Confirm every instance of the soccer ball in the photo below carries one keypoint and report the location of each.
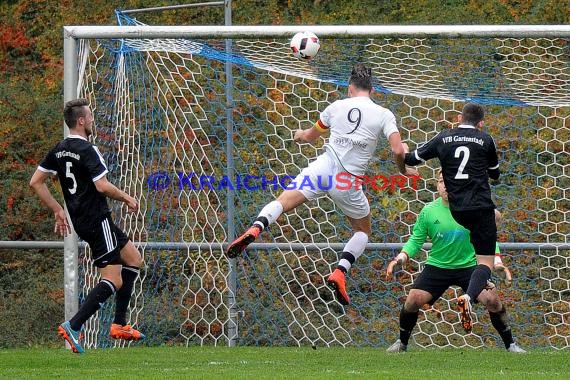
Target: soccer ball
(305, 45)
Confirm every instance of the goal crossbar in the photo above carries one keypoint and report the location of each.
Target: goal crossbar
(336, 31)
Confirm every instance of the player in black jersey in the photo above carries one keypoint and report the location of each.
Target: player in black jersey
(81, 171)
(468, 159)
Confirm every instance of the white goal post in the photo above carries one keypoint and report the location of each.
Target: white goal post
(224, 101)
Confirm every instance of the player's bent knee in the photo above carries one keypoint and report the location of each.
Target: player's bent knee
(415, 300)
(490, 299)
(136, 263)
(495, 305)
(131, 256)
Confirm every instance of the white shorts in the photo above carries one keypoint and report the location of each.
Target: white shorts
(321, 177)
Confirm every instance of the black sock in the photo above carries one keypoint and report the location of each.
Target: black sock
(123, 296)
(347, 256)
(407, 323)
(263, 220)
(500, 323)
(95, 299)
(478, 281)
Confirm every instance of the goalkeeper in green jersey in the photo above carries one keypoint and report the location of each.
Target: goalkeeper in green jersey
(451, 261)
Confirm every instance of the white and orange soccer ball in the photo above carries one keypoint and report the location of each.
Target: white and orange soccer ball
(305, 45)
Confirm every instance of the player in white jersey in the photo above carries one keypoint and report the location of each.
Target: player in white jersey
(355, 125)
(358, 123)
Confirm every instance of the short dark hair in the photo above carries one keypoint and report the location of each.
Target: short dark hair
(472, 114)
(361, 77)
(73, 110)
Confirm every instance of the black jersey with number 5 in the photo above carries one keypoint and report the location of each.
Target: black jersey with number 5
(468, 157)
(78, 164)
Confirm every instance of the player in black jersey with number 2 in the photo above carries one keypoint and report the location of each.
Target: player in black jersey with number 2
(81, 171)
(468, 158)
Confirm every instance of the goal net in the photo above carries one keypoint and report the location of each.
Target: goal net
(198, 126)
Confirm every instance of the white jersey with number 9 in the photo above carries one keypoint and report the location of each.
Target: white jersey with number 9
(355, 125)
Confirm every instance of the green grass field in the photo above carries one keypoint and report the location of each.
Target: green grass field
(281, 363)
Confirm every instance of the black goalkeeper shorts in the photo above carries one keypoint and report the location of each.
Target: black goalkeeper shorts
(436, 280)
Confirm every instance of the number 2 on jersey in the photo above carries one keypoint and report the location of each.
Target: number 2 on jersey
(462, 151)
(69, 174)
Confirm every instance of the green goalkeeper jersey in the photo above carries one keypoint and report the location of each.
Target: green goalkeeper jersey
(451, 246)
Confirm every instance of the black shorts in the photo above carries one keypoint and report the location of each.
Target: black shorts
(436, 280)
(482, 229)
(105, 240)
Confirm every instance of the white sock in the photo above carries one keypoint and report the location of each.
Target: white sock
(354, 246)
(345, 264)
(271, 212)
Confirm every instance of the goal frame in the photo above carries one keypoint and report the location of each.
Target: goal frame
(71, 89)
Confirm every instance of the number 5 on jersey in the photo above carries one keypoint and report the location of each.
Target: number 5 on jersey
(69, 174)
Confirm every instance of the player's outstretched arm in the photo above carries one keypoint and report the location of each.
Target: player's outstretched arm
(425, 152)
(410, 170)
(113, 192)
(412, 246)
(307, 135)
(399, 150)
(38, 184)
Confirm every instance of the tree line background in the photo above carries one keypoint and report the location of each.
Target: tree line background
(31, 96)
